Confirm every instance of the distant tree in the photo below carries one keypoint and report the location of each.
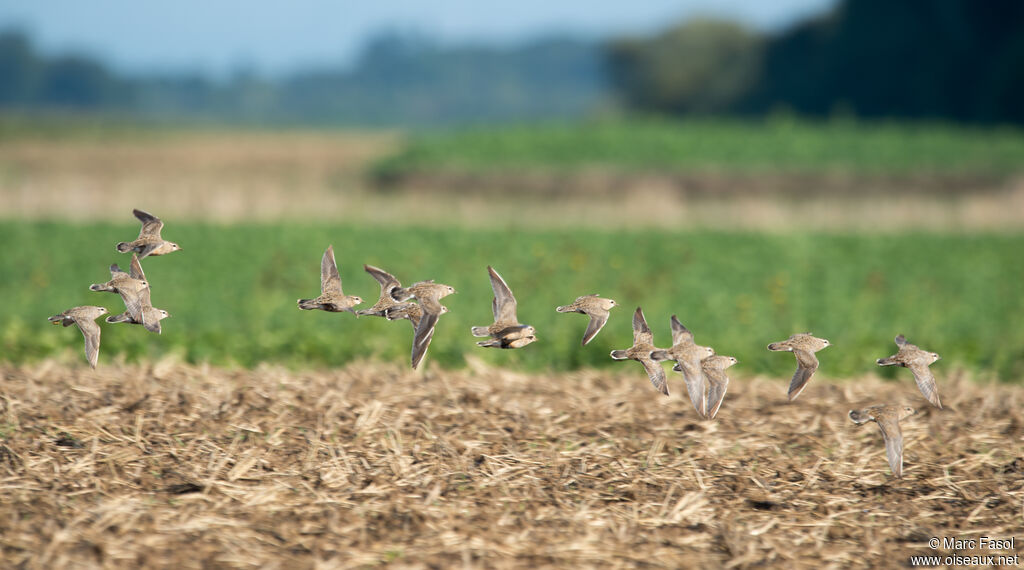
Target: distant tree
(701, 66)
(953, 59)
(19, 69)
(925, 59)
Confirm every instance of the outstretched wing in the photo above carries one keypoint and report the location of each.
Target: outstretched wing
(135, 269)
(893, 436)
(423, 335)
(387, 281)
(91, 332)
(926, 383)
(641, 332)
(330, 281)
(806, 363)
(597, 322)
(718, 383)
(656, 373)
(151, 225)
(695, 384)
(680, 334)
(504, 305)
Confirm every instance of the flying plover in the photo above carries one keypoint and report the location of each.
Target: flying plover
(888, 418)
(803, 346)
(429, 295)
(917, 360)
(718, 382)
(144, 313)
(149, 241)
(388, 283)
(688, 356)
(85, 318)
(331, 298)
(595, 307)
(643, 345)
(506, 329)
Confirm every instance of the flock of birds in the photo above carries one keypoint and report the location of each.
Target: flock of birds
(703, 370)
(132, 286)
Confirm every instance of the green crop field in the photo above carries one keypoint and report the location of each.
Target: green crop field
(753, 146)
(232, 290)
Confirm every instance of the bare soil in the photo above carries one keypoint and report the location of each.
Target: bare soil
(167, 465)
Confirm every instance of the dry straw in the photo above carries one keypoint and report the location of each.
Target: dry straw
(171, 465)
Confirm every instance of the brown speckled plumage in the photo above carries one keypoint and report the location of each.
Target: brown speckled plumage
(506, 331)
(888, 418)
(918, 361)
(803, 346)
(149, 241)
(85, 318)
(332, 298)
(688, 356)
(597, 308)
(643, 345)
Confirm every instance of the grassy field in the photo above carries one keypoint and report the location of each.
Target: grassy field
(232, 290)
(778, 145)
(172, 466)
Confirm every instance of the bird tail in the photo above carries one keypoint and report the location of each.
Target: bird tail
(122, 318)
(565, 309)
(124, 247)
(309, 304)
(480, 331)
(100, 287)
(660, 355)
(489, 343)
(775, 346)
(887, 361)
(56, 319)
(859, 417)
(619, 355)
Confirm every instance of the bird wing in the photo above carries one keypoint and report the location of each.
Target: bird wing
(148, 249)
(504, 305)
(135, 269)
(151, 225)
(926, 383)
(656, 373)
(387, 281)
(91, 332)
(423, 335)
(807, 363)
(597, 322)
(695, 384)
(151, 319)
(718, 383)
(330, 281)
(893, 436)
(680, 333)
(641, 332)
(132, 298)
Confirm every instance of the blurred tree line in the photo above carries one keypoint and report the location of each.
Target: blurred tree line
(399, 79)
(923, 59)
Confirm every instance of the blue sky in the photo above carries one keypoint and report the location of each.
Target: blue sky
(216, 36)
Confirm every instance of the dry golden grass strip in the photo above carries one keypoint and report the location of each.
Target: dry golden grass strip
(170, 465)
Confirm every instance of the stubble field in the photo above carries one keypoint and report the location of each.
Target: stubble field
(179, 466)
(250, 435)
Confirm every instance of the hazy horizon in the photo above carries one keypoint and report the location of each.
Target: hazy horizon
(274, 40)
